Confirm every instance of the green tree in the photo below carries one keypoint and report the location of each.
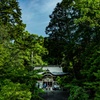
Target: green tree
(20, 52)
(26, 53)
(79, 28)
(10, 13)
(10, 16)
(87, 48)
(17, 61)
(61, 32)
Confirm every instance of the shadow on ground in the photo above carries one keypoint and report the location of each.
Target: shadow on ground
(54, 95)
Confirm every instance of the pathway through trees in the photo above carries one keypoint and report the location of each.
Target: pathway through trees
(55, 95)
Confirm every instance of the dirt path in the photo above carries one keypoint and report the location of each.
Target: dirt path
(54, 95)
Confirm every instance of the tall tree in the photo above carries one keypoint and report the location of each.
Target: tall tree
(20, 51)
(61, 31)
(86, 50)
(10, 15)
(81, 38)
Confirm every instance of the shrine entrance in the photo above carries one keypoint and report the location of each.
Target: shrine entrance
(48, 81)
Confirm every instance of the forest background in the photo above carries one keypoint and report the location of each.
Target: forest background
(73, 42)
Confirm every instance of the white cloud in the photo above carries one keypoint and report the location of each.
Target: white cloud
(35, 14)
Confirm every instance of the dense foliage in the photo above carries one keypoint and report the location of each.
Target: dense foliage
(20, 52)
(74, 41)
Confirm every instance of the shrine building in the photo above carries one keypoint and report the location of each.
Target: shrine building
(49, 75)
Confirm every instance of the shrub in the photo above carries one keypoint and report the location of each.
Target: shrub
(78, 93)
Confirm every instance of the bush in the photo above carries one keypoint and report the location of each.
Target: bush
(78, 93)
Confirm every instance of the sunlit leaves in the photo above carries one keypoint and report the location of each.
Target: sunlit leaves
(90, 11)
(13, 91)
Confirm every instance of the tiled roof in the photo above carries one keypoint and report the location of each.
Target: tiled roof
(58, 73)
(54, 70)
(50, 68)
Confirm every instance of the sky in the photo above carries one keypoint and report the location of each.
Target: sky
(35, 14)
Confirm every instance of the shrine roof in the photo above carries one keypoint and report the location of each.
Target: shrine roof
(58, 73)
(55, 70)
(51, 68)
